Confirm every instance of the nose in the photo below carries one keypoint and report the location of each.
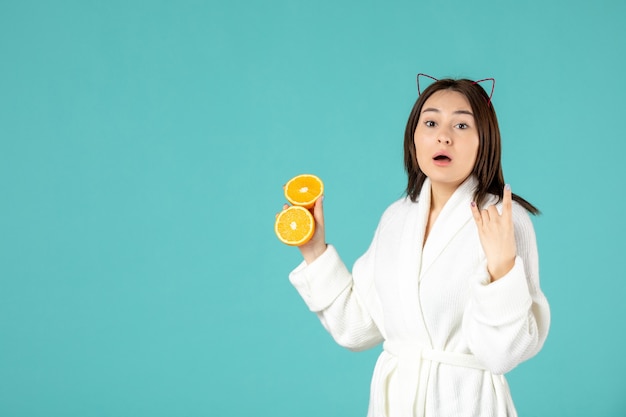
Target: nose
(444, 135)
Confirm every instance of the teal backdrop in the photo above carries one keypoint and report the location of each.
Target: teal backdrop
(143, 146)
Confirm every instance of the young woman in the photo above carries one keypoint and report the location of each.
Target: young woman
(450, 282)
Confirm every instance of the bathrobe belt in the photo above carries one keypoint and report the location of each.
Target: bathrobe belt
(413, 371)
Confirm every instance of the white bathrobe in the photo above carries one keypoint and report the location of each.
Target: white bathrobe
(449, 334)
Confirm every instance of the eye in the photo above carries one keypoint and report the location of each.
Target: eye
(462, 126)
(429, 123)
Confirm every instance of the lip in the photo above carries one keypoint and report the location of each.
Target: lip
(442, 162)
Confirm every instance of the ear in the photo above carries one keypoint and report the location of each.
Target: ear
(493, 85)
(419, 90)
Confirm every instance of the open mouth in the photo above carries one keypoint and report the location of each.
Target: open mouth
(442, 158)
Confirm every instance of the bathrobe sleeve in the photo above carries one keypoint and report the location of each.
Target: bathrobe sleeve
(347, 305)
(506, 322)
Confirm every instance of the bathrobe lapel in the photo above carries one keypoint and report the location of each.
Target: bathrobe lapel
(413, 260)
(409, 258)
(453, 217)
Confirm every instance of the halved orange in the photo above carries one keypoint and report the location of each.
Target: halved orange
(303, 190)
(294, 226)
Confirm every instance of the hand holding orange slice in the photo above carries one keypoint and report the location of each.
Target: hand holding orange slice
(295, 225)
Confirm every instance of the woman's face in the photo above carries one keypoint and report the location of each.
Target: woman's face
(446, 139)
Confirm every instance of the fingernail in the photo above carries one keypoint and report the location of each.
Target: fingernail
(507, 187)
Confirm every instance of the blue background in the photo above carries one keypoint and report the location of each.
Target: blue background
(143, 146)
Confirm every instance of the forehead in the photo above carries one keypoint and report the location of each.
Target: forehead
(447, 100)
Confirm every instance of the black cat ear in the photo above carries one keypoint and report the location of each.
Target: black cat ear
(419, 90)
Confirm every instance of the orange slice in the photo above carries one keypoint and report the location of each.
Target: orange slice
(303, 190)
(294, 226)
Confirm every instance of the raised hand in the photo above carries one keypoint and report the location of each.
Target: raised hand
(497, 236)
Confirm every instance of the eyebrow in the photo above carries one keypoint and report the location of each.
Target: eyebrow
(454, 112)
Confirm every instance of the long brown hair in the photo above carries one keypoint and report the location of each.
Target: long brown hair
(488, 167)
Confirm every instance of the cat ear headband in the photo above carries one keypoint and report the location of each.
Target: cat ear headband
(493, 84)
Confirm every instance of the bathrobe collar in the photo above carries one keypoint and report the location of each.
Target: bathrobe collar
(415, 260)
(456, 213)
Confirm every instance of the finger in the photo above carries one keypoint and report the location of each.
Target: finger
(476, 213)
(493, 212)
(318, 211)
(507, 201)
(285, 207)
(485, 215)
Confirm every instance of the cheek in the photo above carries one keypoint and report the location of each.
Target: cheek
(418, 138)
(418, 144)
(472, 153)
(476, 146)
